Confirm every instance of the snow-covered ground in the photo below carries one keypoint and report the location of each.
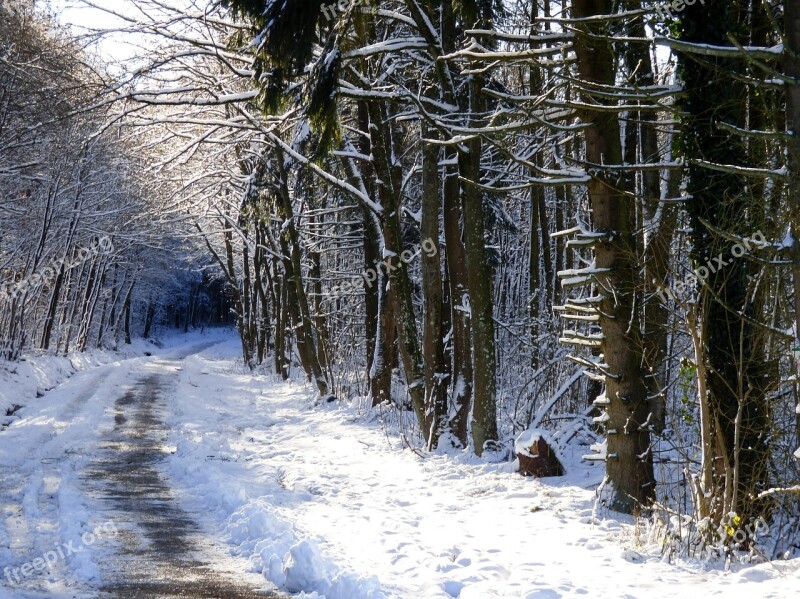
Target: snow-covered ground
(328, 500)
(24, 381)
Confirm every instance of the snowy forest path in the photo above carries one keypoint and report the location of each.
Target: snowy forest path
(185, 474)
(161, 550)
(85, 465)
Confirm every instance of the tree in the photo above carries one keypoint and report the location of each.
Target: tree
(629, 466)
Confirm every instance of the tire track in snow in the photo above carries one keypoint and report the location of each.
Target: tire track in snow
(161, 551)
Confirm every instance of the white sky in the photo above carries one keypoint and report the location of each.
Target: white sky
(84, 19)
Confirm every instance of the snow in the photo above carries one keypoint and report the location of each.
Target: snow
(330, 499)
(328, 502)
(291, 563)
(387, 46)
(787, 242)
(578, 276)
(301, 135)
(21, 382)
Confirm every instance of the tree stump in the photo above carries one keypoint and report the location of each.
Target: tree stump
(536, 456)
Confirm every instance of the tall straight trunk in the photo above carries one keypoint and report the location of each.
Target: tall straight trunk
(456, 259)
(370, 313)
(11, 344)
(127, 309)
(105, 312)
(281, 326)
(236, 294)
(246, 295)
(629, 465)
(540, 290)
(657, 253)
(94, 288)
(384, 348)
(190, 311)
(379, 323)
(294, 322)
(536, 195)
(65, 305)
(119, 289)
(126, 300)
(73, 307)
(320, 322)
(149, 316)
(560, 249)
(387, 187)
(273, 284)
(791, 18)
(534, 276)
(439, 43)
(479, 276)
(304, 330)
(461, 389)
(261, 269)
(276, 282)
(433, 293)
(52, 308)
(641, 147)
(550, 279)
(70, 236)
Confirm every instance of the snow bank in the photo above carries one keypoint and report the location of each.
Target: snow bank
(291, 563)
(221, 431)
(24, 381)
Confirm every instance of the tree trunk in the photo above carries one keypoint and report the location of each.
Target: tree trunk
(461, 389)
(641, 147)
(149, 316)
(399, 283)
(629, 466)
(791, 17)
(52, 308)
(479, 276)
(304, 329)
(433, 293)
(127, 308)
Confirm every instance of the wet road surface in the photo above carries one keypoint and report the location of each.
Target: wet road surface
(158, 549)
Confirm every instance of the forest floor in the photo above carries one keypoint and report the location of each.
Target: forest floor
(181, 474)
